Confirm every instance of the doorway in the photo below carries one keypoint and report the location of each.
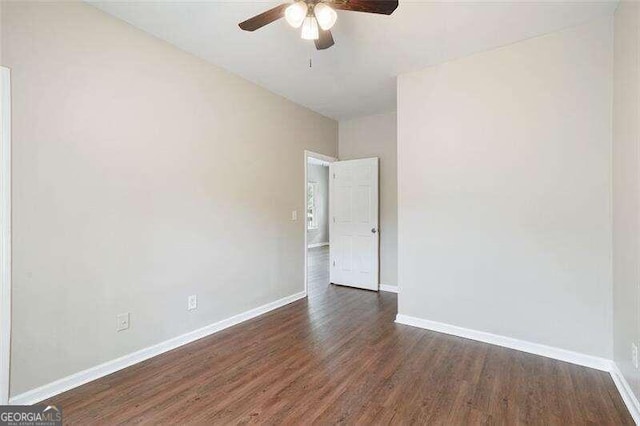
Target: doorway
(316, 217)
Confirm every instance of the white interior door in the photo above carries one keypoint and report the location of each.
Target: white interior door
(353, 226)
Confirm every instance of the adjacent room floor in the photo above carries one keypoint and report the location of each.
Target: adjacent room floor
(338, 357)
(317, 270)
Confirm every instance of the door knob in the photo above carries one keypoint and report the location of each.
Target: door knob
(373, 230)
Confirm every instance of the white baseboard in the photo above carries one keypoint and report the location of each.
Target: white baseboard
(317, 245)
(389, 288)
(66, 383)
(590, 361)
(626, 393)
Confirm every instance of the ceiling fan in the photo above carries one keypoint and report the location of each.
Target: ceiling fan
(316, 17)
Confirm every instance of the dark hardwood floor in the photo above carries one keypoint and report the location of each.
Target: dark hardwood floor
(338, 357)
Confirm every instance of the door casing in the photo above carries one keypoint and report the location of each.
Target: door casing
(5, 234)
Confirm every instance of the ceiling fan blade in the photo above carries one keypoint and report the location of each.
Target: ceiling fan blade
(264, 18)
(325, 40)
(383, 7)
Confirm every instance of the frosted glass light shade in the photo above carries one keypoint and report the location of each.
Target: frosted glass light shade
(325, 15)
(310, 28)
(295, 13)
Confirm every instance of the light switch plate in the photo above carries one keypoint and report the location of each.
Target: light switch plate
(294, 215)
(123, 322)
(192, 302)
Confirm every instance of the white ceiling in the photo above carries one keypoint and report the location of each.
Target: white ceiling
(357, 75)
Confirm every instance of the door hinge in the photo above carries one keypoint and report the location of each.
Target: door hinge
(334, 175)
(334, 219)
(334, 263)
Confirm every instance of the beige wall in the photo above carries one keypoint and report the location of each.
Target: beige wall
(626, 187)
(376, 136)
(504, 182)
(142, 175)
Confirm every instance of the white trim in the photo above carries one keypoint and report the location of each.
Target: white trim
(5, 234)
(389, 288)
(47, 391)
(509, 342)
(626, 393)
(317, 245)
(328, 160)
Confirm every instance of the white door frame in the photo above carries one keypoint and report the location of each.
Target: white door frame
(321, 157)
(5, 233)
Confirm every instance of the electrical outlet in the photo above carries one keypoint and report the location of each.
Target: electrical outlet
(123, 322)
(294, 215)
(634, 355)
(192, 302)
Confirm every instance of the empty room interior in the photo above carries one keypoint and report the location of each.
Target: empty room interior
(319, 212)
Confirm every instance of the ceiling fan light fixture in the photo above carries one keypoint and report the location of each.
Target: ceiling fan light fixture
(295, 13)
(325, 15)
(316, 16)
(310, 28)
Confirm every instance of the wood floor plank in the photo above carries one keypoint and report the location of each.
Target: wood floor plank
(338, 357)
